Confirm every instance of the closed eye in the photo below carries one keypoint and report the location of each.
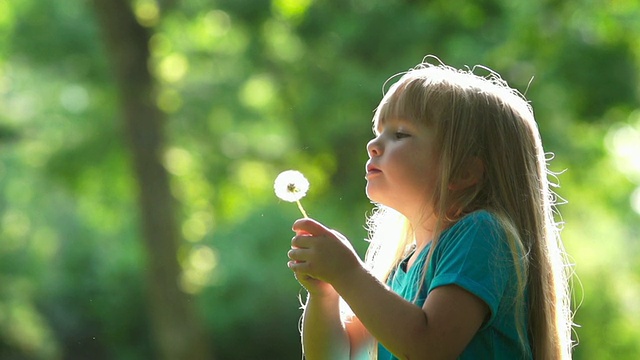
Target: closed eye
(401, 135)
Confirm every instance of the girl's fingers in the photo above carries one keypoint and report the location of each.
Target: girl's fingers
(297, 254)
(309, 226)
(303, 241)
(298, 266)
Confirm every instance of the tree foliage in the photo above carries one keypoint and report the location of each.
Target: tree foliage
(251, 88)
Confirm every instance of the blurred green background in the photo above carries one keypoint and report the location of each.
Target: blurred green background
(221, 96)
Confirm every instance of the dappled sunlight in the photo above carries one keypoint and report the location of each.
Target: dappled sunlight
(234, 145)
(234, 41)
(147, 12)
(190, 187)
(178, 161)
(273, 145)
(160, 45)
(217, 23)
(209, 29)
(74, 98)
(249, 187)
(282, 43)
(197, 225)
(14, 228)
(591, 233)
(253, 176)
(96, 205)
(293, 10)
(268, 138)
(173, 67)
(623, 141)
(635, 200)
(24, 328)
(169, 100)
(213, 31)
(198, 269)
(629, 289)
(220, 120)
(45, 243)
(246, 190)
(7, 17)
(36, 152)
(258, 92)
(5, 81)
(19, 105)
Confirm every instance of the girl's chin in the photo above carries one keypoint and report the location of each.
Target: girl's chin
(370, 192)
(372, 195)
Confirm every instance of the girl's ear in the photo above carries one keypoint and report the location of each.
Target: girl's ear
(470, 176)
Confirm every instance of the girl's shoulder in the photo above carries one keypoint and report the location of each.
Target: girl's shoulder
(478, 219)
(479, 226)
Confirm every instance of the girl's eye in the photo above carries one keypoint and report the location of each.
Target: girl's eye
(401, 135)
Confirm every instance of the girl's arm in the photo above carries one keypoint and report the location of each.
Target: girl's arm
(442, 328)
(325, 334)
(359, 338)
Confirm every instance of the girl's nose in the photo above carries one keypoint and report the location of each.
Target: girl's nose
(373, 148)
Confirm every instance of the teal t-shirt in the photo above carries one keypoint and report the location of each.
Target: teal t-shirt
(472, 254)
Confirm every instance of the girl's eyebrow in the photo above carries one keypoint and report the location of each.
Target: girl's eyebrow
(396, 121)
(393, 121)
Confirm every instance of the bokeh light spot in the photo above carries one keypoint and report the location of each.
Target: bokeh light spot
(291, 9)
(635, 200)
(74, 98)
(173, 68)
(623, 142)
(147, 12)
(178, 161)
(169, 100)
(258, 92)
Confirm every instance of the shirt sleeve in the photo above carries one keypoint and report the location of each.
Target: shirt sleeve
(475, 255)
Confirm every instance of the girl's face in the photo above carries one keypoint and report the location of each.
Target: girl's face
(402, 167)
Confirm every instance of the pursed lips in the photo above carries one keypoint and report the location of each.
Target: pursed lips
(372, 170)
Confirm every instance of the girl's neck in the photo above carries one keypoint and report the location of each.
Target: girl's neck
(425, 232)
(423, 238)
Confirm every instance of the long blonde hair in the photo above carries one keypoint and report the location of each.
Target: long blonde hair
(476, 117)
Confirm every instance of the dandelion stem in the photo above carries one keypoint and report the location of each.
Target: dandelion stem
(304, 213)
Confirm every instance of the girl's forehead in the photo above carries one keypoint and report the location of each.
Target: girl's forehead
(401, 104)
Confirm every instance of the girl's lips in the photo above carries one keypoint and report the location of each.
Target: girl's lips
(372, 170)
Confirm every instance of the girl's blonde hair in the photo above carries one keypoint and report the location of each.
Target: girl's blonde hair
(482, 118)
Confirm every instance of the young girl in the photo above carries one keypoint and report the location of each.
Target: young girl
(465, 260)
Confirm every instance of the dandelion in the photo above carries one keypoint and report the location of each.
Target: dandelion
(292, 186)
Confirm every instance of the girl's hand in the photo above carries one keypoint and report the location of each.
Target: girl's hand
(315, 287)
(320, 256)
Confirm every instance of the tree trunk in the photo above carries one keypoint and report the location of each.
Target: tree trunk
(177, 332)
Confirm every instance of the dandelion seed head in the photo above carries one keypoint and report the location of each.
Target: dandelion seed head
(291, 185)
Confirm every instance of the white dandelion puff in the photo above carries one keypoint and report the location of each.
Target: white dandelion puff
(292, 186)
